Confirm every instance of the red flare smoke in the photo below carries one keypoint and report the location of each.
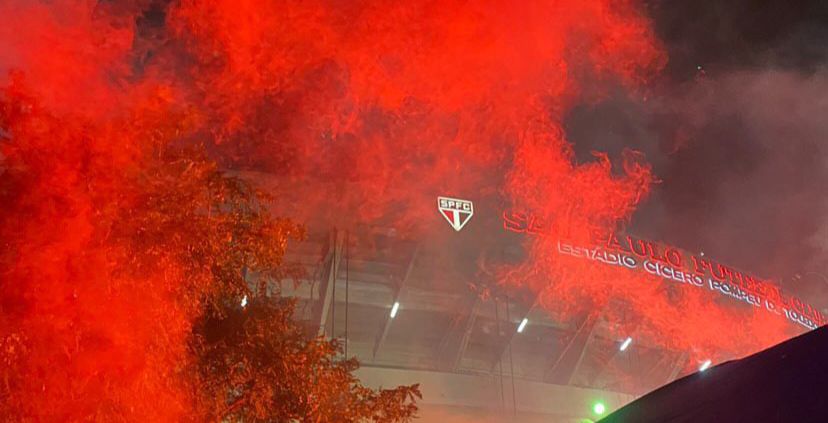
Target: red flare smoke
(355, 107)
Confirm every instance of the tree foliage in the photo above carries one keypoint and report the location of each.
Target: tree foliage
(260, 374)
(254, 363)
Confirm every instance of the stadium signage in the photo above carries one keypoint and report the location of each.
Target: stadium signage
(457, 212)
(676, 265)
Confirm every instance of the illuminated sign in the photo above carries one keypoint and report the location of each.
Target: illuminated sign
(676, 265)
(457, 212)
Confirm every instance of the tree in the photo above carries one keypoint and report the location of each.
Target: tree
(254, 363)
(260, 375)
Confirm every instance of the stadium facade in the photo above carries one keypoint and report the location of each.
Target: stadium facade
(412, 311)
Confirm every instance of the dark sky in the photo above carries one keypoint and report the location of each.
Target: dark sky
(740, 147)
(738, 34)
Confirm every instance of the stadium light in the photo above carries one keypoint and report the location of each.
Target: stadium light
(522, 324)
(625, 344)
(705, 365)
(599, 408)
(394, 309)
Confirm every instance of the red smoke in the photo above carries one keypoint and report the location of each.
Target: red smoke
(397, 102)
(78, 339)
(400, 100)
(362, 112)
(379, 106)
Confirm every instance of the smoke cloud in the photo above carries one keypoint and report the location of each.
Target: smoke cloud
(361, 113)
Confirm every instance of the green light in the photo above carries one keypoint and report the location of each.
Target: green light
(599, 408)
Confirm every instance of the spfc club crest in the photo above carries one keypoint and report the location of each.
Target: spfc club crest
(457, 212)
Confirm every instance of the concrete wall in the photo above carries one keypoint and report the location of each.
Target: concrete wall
(458, 398)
